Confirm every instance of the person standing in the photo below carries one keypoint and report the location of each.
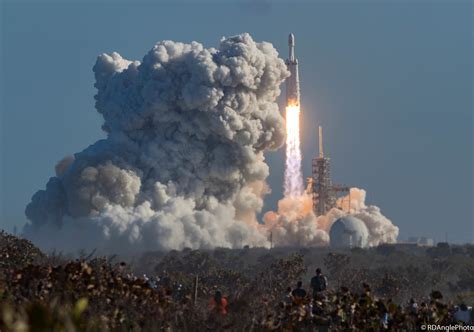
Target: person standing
(319, 283)
(218, 304)
(298, 293)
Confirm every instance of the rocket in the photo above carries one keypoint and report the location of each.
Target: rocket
(292, 82)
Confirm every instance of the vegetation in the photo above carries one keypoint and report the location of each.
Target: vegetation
(368, 289)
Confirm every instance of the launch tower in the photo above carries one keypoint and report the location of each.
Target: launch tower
(320, 184)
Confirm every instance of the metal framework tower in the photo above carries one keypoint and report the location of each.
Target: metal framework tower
(323, 191)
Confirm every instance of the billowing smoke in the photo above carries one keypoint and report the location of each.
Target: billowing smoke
(295, 223)
(381, 229)
(183, 161)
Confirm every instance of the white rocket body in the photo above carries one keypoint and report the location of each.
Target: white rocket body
(292, 82)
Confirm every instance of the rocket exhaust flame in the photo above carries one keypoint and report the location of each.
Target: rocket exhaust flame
(293, 176)
(293, 183)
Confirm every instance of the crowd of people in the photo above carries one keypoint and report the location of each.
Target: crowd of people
(95, 294)
(325, 309)
(343, 310)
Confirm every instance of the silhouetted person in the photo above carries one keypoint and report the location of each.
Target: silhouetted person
(463, 314)
(412, 307)
(298, 293)
(319, 283)
(219, 303)
(288, 298)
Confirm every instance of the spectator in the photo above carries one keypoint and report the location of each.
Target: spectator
(383, 313)
(298, 293)
(412, 307)
(463, 314)
(288, 298)
(319, 283)
(218, 303)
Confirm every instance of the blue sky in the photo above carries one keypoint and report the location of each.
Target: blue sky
(390, 81)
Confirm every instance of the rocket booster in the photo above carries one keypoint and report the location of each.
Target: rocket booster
(292, 82)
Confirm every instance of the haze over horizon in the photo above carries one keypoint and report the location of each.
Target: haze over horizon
(391, 85)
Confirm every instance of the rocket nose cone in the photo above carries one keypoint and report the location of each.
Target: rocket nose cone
(291, 39)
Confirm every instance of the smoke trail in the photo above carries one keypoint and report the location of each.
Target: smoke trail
(293, 182)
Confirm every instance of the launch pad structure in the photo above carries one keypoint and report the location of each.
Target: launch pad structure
(320, 184)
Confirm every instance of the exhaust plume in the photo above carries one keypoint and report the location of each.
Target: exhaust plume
(295, 223)
(182, 164)
(293, 183)
(183, 161)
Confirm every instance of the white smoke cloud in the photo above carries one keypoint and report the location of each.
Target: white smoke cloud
(381, 229)
(295, 223)
(183, 162)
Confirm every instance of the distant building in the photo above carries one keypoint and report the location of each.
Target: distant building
(348, 231)
(421, 240)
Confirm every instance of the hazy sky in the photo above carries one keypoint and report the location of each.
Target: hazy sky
(391, 83)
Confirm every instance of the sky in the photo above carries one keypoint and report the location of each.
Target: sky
(389, 81)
